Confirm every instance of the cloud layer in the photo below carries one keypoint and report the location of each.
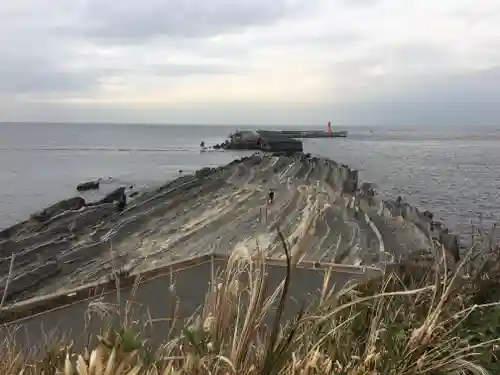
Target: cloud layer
(250, 61)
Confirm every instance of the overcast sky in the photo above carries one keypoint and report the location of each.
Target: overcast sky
(251, 61)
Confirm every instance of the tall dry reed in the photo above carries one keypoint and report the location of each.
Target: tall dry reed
(412, 321)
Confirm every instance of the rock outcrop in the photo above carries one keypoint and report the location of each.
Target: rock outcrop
(318, 205)
(89, 185)
(116, 196)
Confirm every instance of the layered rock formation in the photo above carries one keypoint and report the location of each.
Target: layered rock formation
(318, 205)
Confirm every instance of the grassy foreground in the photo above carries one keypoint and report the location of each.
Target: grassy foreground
(414, 321)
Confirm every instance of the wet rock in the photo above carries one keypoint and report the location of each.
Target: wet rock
(71, 204)
(367, 191)
(429, 215)
(116, 195)
(255, 160)
(286, 153)
(39, 254)
(89, 185)
(31, 279)
(204, 172)
(90, 217)
(11, 231)
(7, 247)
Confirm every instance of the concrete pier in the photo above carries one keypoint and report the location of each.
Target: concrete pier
(302, 133)
(274, 140)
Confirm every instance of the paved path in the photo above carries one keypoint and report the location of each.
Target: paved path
(152, 302)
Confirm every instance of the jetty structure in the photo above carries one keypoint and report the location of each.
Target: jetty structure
(302, 133)
(275, 140)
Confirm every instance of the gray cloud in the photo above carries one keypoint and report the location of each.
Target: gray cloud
(465, 99)
(25, 75)
(132, 21)
(475, 87)
(467, 88)
(360, 3)
(415, 114)
(43, 41)
(374, 68)
(419, 55)
(33, 61)
(170, 70)
(177, 70)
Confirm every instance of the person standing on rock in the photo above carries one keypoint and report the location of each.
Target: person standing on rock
(270, 198)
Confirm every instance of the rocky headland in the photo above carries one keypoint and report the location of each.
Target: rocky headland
(319, 205)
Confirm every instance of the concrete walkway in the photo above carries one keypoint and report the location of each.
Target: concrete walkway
(153, 301)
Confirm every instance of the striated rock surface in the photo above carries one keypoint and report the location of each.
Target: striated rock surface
(318, 206)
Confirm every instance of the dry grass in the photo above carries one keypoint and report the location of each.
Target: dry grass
(411, 322)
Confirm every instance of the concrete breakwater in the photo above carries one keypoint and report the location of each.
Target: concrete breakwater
(319, 206)
(250, 140)
(302, 133)
(274, 140)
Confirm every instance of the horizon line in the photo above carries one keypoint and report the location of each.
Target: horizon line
(239, 125)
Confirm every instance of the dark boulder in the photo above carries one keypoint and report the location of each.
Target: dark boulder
(367, 189)
(204, 172)
(71, 204)
(429, 215)
(116, 195)
(255, 160)
(89, 185)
